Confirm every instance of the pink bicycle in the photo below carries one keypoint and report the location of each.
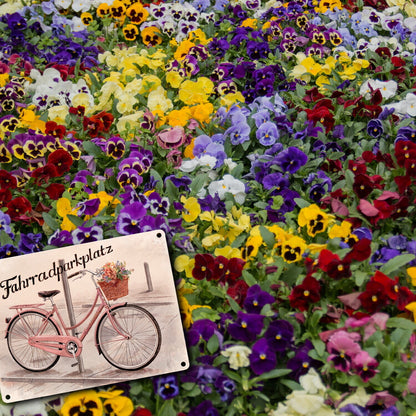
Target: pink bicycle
(127, 335)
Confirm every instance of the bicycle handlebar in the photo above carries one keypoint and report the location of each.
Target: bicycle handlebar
(82, 272)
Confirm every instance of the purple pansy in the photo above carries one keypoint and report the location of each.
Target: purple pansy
(246, 327)
(128, 221)
(262, 357)
(279, 335)
(166, 386)
(30, 243)
(256, 298)
(87, 234)
(291, 159)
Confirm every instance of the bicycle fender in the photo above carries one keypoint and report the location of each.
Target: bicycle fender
(38, 310)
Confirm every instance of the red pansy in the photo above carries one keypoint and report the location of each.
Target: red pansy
(204, 266)
(305, 294)
(18, 207)
(62, 161)
(7, 180)
(55, 190)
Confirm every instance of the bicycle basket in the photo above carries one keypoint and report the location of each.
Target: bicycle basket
(115, 289)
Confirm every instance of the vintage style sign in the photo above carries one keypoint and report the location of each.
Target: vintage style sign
(88, 315)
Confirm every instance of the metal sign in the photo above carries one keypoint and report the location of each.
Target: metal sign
(84, 316)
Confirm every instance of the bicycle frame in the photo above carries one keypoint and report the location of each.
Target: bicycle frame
(65, 344)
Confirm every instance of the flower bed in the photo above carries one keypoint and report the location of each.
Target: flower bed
(274, 143)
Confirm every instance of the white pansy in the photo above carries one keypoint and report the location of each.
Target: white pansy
(237, 356)
(230, 164)
(29, 408)
(77, 24)
(410, 104)
(63, 4)
(205, 163)
(311, 382)
(228, 184)
(304, 403)
(81, 5)
(388, 89)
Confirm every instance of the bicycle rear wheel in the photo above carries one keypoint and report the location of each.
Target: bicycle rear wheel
(141, 343)
(22, 327)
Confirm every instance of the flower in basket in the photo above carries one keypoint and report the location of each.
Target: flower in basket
(111, 272)
(113, 279)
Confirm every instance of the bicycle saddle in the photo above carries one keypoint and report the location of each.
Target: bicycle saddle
(48, 293)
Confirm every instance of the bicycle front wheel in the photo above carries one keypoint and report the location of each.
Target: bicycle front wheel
(132, 341)
(26, 325)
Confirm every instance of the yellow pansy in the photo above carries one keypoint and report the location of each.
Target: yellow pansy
(129, 122)
(4, 79)
(63, 208)
(119, 405)
(228, 252)
(196, 92)
(412, 308)
(81, 403)
(312, 67)
(342, 230)
(29, 119)
(191, 208)
(249, 22)
(174, 79)
(179, 117)
(329, 65)
(158, 101)
(300, 72)
(322, 81)
(316, 248)
(188, 151)
(183, 49)
(150, 83)
(216, 220)
(57, 113)
(314, 219)
(293, 249)
(199, 36)
(186, 309)
(106, 200)
(211, 240)
(411, 271)
(251, 248)
(232, 98)
(184, 263)
(202, 112)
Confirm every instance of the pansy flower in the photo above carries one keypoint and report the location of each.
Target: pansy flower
(305, 294)
(246, 327)
(166, 386)
(279, 335)
(315, 219)
(262, 357)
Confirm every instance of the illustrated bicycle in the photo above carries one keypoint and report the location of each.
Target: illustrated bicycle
(127, 335)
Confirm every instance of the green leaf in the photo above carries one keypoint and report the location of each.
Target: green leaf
(396, 262)
(249, 278)
(5, 238)
(301, 203)
(385, 369)
(198, 182)
(268, 236)
(50, 221)
(75, 220)
(167, 409)
(401, 323)
(92, 149)
(278, 372)
(213, 344)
